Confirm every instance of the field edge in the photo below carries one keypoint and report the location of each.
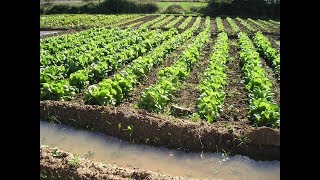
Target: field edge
(259, 143)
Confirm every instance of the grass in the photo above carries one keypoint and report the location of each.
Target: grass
(185, 5)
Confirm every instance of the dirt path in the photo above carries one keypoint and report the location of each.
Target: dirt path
(227, 27)
(152, 77)
(188, 93)
(213, 26)
(235, 106)
(272, 76)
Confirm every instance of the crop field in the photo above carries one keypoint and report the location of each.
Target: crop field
(179, 81)
(195, 68)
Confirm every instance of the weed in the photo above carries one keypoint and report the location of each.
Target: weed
(227, 126)
(243, 140)
(53, 119)
(89, 155)
(194, 117)
(57, 154)
(74, 162)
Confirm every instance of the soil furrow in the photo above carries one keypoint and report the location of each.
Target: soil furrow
(235, 106)
(144, 19)
(213, 26)
(201, 25)
(180, 22)
(163, 26)
(190, 23)
(273, 42)
(188, 93)
(152, 77)
(241, 27)
(227, 27)
(272, 76)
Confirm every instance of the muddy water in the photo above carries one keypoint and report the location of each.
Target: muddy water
(44, 33)
(172, 162)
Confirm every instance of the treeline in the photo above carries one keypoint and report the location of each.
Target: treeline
(104, 7)
(244, 8)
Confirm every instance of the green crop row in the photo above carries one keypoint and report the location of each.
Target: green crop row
(262, 110)
(261, 26)
(98, 71)
(52, 54)
(55, 44)
(264, 47)
(246, 25)
(267, 23)
(234, 28)
(211, 100)
(114, 90)
(275, 22)
(207, 23)
(134, 24)
(220, 26)
(66, 21)
(185, 23)
(147, 24)
(163, 22)
(77, 59)
(156, 97)
(174, 22)
(196, 23)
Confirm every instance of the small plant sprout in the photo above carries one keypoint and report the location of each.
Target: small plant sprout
(56, 153)
(89, 155)
(74, 162)
(243, 140)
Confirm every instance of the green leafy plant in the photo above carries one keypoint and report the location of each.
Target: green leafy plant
(156, 97)
(264, 47)
(220, 26)
(262, 110)
(210, 102)
(74, 161)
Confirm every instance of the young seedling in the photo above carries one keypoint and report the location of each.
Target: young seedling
(243, 140)
(89, 155)
(74, 162)
(56, 153)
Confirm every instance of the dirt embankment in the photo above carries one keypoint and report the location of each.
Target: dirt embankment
(58, 164)
(260, 143)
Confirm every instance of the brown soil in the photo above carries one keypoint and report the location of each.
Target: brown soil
(263, 142)
(58, 167)
(201, 26)
(152, 77)
(213, 26)
(163, 26)
(241, 27)
(187, 95)
(144, 19)
(180, 22)
(273, 42)
(235, 105)
(269, 30)
(271, 75)
(190, 23)
(227, 27)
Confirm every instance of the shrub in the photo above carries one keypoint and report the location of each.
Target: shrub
(174, 9)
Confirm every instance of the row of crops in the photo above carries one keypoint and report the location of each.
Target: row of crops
(153, 21)
(103, 65)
